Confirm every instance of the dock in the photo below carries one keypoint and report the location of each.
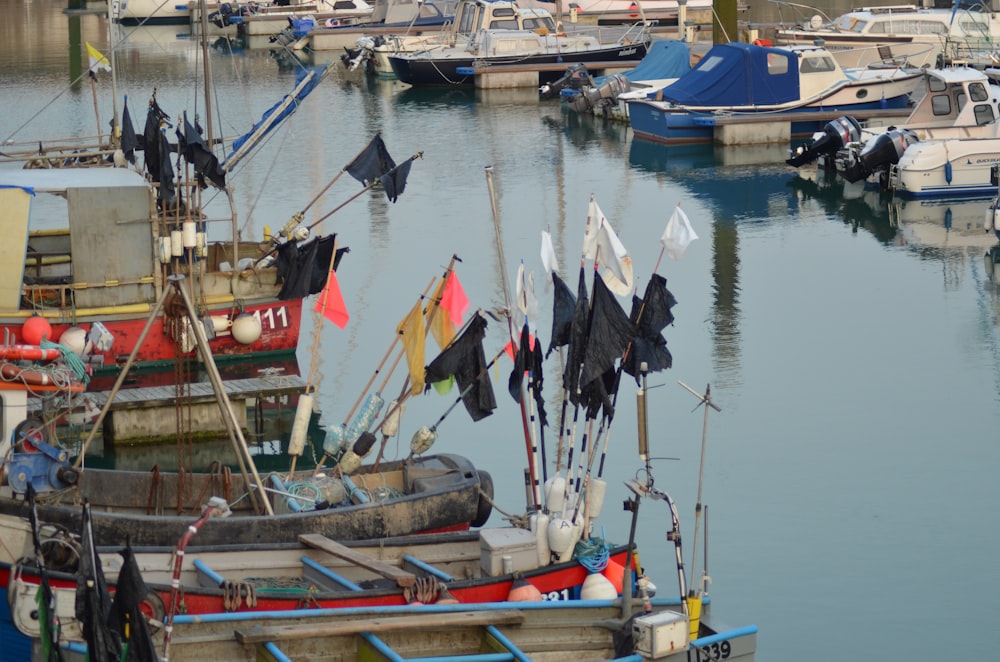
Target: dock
(512, 76)
(149, 414)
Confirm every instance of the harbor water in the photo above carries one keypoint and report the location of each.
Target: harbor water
(851, 341)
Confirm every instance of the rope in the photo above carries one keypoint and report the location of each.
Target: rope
(72, 361)
(593, 554)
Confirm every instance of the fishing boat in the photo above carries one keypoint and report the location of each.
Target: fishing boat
(739, 82)
(605, 96)
(957, 102)
(458, 64)
(101, 228)
(950, 28)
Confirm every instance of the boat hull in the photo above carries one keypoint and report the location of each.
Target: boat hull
(946, 168)
(434, 493)
(428, 70)
(660, 122)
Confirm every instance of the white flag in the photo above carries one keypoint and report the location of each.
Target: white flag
(594, 218)
(526, 301)
(600, 243)
(678, 234)
(549, 260)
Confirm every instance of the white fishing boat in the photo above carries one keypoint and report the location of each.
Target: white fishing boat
(949, 27)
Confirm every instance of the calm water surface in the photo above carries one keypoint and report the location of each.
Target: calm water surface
(851, 344)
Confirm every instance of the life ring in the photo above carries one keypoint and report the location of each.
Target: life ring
(763, 42)
(29, 353)
(39, 379)
(485, 505)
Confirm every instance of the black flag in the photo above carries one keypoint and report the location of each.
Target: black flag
(563, 305)
(126, 617)
(168, 194)
(373, 162)
(523, 360)
(465, 359)
(129, 142)
(394, 181)
(577, 340)
(651, 314)
(609, 334)
(206, 164)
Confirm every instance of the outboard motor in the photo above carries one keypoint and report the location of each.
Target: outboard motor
(221, 18)
(835, 135)
(601, 96)
(879, 153)
(575, 78)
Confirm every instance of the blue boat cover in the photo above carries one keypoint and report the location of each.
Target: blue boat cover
(738, 74)
(666, 58)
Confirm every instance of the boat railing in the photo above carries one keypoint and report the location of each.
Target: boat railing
(914, 54)
(801, 15)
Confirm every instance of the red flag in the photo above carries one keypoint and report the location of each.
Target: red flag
(331, 302)
(453, 299)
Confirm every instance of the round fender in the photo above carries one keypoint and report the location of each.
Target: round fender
(485, 506)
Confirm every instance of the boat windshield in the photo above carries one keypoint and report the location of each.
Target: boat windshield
(849, 23)
(909, 26)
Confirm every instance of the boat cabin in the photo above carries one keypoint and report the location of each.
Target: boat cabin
(956, 97)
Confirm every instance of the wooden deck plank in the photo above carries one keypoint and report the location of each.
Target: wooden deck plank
(436, 621)
(402, 578)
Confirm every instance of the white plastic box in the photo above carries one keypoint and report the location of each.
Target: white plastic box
(659, 635)
(518, 544)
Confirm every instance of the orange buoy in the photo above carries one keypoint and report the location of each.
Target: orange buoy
(35, 329)
(763, 42)
(615, 573)
(445, 597)
(523, 591)
(633, 8)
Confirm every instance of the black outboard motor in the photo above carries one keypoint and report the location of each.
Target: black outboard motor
(601, 96)
(221, 18)
(879, 153)
(575, 78)
(835, 135)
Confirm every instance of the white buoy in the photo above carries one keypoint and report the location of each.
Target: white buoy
(188, 234)
(300, 425)
(540, 527)
(598, 488)
(597, 587)
(74, 339)
(575, 530)
(176, 243)
(422, 440)
(164, 246)
(555, 493)
(246, 328)
(391, 424)
(560, 533)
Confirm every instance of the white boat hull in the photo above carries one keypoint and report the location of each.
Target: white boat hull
(947, 168)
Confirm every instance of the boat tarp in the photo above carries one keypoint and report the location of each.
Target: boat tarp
(738, 74)
(666, 58)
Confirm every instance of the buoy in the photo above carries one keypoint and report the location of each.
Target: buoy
(598, 487)
(445, 597)
(164, 251)
(597, 587)
(523, 591)
(74, 339)
(176, 243)
(422, 440)
(391, 424)
(35, 329)
(300, 424)
(560, 535)
(555, 493)
(246, 328)
(351, 460)
(188, 232)
(615, 573)
(633, 8)
(947, 171)
(540, 527)
(694, 614)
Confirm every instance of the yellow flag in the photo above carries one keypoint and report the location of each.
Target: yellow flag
(414, 338)
(97, 61)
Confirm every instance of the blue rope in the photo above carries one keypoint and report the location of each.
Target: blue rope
(593, 554)
(74, 362)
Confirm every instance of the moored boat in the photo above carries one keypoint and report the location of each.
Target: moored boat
(742, 83)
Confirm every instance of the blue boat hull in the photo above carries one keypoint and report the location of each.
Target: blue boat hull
(653, 122)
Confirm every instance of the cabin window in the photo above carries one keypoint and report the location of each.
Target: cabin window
(344, 4)
(777, 64)
(506, 24)
(467, 24)
(941, 104)
(983, 113)
(503, 11)
(977, 92)
(897, 26)
(936, 84)
(850, 24)
(812, 65)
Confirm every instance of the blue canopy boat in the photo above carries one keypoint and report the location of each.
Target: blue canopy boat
(746, 80)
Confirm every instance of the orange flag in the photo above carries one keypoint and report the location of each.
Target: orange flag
(331, 302)
(441, 326)
(453, 299)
